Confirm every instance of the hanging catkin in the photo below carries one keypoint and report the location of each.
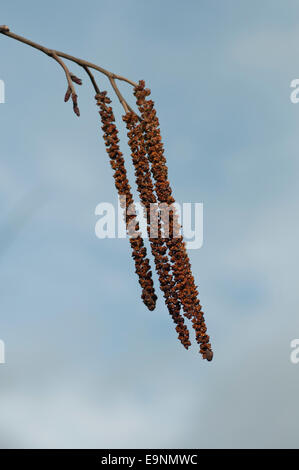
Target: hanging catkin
(185, 284)
(142, 265)
(158, 247)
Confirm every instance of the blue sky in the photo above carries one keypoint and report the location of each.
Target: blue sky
(87, 364)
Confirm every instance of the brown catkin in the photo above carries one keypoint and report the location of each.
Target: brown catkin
(142, 265)
(158, 247)
(185, 284)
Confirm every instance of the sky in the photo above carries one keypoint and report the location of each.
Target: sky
(86, 364)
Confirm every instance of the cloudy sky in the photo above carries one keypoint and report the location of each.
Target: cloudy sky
(86, 364)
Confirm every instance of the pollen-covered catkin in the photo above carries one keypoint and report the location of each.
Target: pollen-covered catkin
(158, 247)
(142, 265)
(185, 284)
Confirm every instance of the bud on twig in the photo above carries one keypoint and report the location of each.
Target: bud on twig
(68, 94)
(75, 104)
(76, 79)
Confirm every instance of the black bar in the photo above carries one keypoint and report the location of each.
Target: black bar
(135, 458)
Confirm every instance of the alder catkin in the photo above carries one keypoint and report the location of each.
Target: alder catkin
(158, 247)
(142, 265)
(185, 284)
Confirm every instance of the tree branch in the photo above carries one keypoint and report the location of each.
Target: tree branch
(83, 63)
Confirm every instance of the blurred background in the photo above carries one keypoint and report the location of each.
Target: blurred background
(86, 364)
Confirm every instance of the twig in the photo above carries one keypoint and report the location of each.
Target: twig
(83, 63)
(93, 81)
(71, 89)
(119, 95)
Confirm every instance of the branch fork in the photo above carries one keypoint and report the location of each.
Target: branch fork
(71, 78)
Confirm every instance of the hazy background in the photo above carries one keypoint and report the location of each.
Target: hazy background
(86, 364)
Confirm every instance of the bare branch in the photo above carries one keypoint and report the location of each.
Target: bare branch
(70, 78)
(6, 31)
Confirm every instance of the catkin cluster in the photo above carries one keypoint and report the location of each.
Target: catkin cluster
(169, 252)
(163, 226)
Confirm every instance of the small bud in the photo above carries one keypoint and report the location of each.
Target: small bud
(76, 79)
(68, 94)
(77, 111)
